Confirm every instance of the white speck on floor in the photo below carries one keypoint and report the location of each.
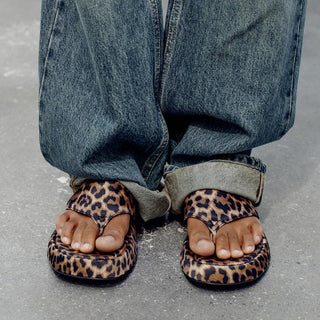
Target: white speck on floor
(63, 180)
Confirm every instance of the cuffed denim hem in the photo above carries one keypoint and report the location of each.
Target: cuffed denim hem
(151, 204)
(244, 177)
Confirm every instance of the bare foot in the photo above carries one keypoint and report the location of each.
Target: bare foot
(81, 232)
(233, 240)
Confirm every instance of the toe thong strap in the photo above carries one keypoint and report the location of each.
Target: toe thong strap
(102, 201)
(216, 208)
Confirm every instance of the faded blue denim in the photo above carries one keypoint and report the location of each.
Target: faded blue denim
(121, 97)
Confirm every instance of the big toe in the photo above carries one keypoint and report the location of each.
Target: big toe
(199, 238)
(114, 233)
(110, 241)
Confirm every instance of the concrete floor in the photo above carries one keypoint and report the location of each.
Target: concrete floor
(33, 194)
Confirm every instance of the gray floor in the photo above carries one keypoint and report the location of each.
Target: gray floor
(33, 193)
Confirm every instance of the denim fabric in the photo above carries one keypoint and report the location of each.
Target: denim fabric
(121, 97)
(99, 72)
(229, 176)
(151, 204)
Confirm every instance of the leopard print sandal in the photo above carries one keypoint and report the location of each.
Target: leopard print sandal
(216, 208)
(101, 201)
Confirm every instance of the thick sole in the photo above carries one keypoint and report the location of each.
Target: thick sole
(95, 266)
(233, 272)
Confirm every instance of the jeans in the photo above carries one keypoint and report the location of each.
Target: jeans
(123, 97)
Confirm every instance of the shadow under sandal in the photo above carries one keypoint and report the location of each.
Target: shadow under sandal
(101, 201)
(216, 208)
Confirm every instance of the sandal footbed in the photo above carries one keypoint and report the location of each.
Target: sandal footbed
(211, 270)
(96, 265)
(92, 200)
(216, 208)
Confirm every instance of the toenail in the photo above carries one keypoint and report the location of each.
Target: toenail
(257, 238)
(65, 239)
(223, 252)
(59, 231)
(109, 239)
(237, 252)
(203, 243)
(76, 245)
(250, 248)
(87, 246)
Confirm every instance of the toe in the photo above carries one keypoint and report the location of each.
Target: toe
(77, 235)
(257, 232)
(88, 238)
(247, 241)
(200, 238)
(67, 231)
(114, 234)
(234, 243)
(61, 220)
(222, 245)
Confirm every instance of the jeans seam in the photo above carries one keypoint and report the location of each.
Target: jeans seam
(161, 148)
(156, 154)
(170, 45)
(294, 66)
(157, 65)
(57, 10)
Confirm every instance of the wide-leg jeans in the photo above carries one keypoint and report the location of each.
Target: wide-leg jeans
(124, 97)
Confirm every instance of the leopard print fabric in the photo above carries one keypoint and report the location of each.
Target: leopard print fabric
(96, 265)
(101, 201)
(216, 208)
